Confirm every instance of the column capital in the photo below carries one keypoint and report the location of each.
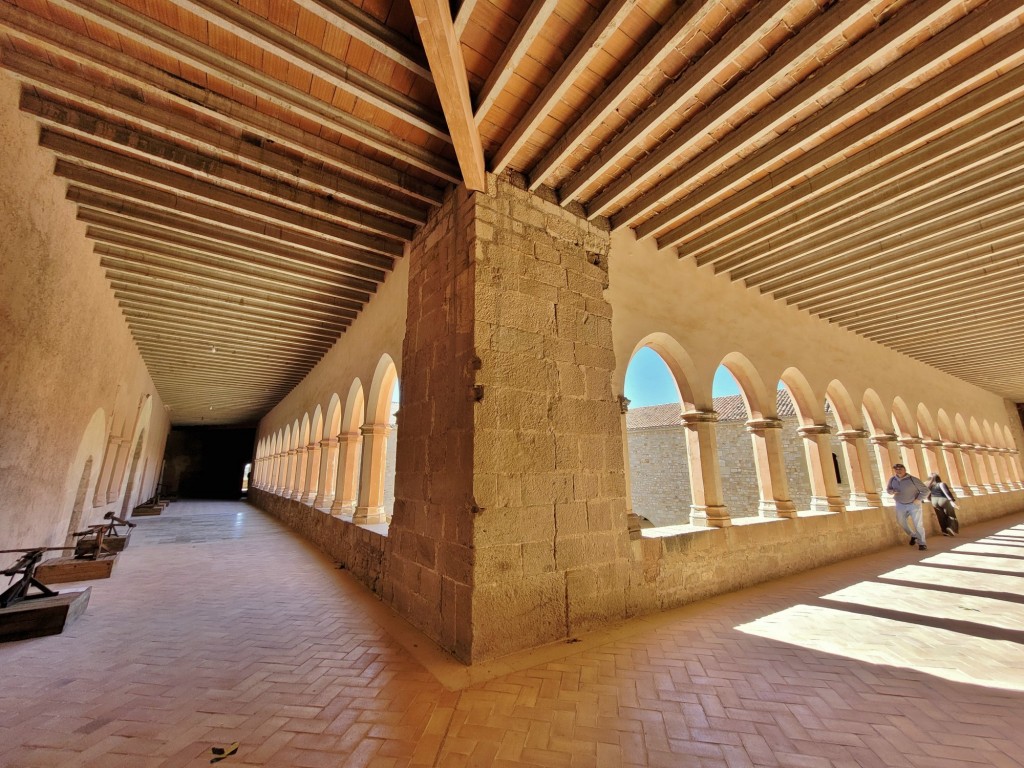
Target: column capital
(327, 442)
(812, 430)
(848, 435)
(759, 425)
(928, 443)
(883, 438)
(374, 429)
(909, 441)
(689, 418)
(951, 445)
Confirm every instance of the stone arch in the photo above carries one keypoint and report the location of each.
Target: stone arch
(874, 412)
(934, 459)
(842, 405)
(302, 459)
(680, 365)
(911, 453)
(281, 483)
(293, 460)
(313, 448)
(375, 430)
(809, 408)
(963, 434)
(925, 423)
(752, 387)
(854, 472)
(947, 432)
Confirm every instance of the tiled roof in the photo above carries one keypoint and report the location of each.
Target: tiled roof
(729, 408)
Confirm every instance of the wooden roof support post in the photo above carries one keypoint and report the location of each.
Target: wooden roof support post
(433, 18)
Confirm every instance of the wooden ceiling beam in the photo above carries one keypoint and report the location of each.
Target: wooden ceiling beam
(935, 140)
(150, 250)
(136, 280)
(170, 299)
(855, 281)
(511, 56)
(158, 312)
(276, 41)
(143, 30)
(118, 187)
(719, 57)
(880, 233)
(156, 85)
(575, 64)
(128, 261)
(914, 111)
(215, 333)
(283, 254)
(769, 122)
(212, 338)
(462, 16)
(225, 149)
(357, 23)
(248, 358)
(433, 18)
(201, 190)
(683, 24)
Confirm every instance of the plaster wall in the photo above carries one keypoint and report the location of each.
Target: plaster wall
(702, 318)
(378, 330)
(75, 396)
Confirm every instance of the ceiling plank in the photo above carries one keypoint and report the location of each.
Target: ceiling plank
(594, 39)
(433, 18)
(684, 22)
(272, 39)
(143, 30)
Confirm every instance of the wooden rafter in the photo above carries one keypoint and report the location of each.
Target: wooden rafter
(434, 21)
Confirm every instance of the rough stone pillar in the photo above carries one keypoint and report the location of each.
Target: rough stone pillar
(708, 506)
(772, 481)
(886, 454)
(313, 478)
(346, 494)
(510, 525)
(913, 457)
(328, 469)
(818, 452)
(370, 508)
(975, 482)
(955, 467)
(863, 490)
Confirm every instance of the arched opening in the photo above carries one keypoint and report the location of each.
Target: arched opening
(737, 464)
(391, 450)
(78, 507)
(815, 434)
(313, 449)
(127, 503)
(656, 442)
(350, 452)
(375, 431)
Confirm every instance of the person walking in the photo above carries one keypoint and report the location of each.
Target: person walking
(944, 504)
(908, 491)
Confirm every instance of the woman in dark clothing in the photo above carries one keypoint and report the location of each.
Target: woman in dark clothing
(944, 503)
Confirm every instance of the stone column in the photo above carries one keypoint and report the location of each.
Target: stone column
(328, 470)
(276, 472)
(818, 452)
(863, 490)
(299, 482)
(310, 487)
(770, 466)
(934, 459)
(370, 508)
(981, 462)
(632, 518)
(974, 478)
(1014, 458)
(707, 507)
(346, 494)
(913, 457)
(886, 454)
(994, 468)
(955, 468)
(289, 474)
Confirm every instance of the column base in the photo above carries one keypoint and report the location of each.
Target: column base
(309, 499)
(827, 504)
(369, 515)
(340, 508)
(864, 500)
(776, 508)
(709, 517)
(960, 492)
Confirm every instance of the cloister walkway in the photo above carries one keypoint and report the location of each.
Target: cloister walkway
(220, 625)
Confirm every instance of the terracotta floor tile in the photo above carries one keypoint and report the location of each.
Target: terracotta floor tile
(305, 669)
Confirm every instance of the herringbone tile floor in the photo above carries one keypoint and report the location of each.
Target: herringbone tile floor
(220, 626)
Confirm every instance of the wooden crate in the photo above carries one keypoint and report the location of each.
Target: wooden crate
(41, 616)
(61, 570)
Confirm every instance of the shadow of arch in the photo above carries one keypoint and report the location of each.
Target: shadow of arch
(809, 408)
(878, 420)
(846, 413)
(81, 478)
(902, 418)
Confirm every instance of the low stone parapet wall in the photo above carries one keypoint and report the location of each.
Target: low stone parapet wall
(359, 549)
(682, 564)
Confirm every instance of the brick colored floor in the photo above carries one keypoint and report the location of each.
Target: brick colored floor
(220, 626)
